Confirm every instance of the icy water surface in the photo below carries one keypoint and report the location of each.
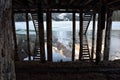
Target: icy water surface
(62, 32)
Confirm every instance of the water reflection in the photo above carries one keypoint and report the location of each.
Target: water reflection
(115, 45)
(62, 45)
(64, 37)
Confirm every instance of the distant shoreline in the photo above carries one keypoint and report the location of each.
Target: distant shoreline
(63, 25)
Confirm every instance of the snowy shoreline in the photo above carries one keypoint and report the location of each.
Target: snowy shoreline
(62, 25)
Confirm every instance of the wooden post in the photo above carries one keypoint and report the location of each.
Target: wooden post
(7, 66)
(28, 38)
(73, 48)
(107, 35)
(93, 36)
(49, 36)
(16, 58)
(41, 32)
(101, 26)
(81, 35)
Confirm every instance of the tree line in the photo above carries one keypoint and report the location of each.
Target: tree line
(116, 16)
(21, 17)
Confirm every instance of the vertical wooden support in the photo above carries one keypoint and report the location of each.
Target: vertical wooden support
(73, 48)
(81, 35)
(41, 32)
(101, 26)
(49, 36)
(93, 36)
(16, 58)
(28, 38)
(107, 35)
(7, 66)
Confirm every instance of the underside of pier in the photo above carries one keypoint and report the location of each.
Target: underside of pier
(89, 66)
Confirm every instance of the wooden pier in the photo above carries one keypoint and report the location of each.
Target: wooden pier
(87, 10)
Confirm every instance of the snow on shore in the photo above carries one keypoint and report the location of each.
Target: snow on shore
(62, 25)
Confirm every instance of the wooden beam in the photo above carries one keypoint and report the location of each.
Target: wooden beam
(112, 2)
(74, 27)
(93, 36)
(57, 1)
(116, 7)
(56, 11)
(81, 35)
(71, 1)
(41, 32)
(28, 37)
(29, 69)
(53, 11)
(87, 2)
(107, 35)
(45, 2)
(62, 5)
(101, 25)
(88, 25)
(16, 58)
(49, 36)
(113, 5)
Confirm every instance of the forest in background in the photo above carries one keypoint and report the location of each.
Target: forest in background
(63, 17)
(116, 16)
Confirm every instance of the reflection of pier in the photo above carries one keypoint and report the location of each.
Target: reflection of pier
(61, 47)
(84, 55)
(84, 48)
(58, 45)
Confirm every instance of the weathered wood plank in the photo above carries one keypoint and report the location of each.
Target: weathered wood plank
(7, 67)
(93, 36)
(16, 58)
(64, 68)
(28, 37)
(101, 26)
(112, 2)
(41, 32)
(49, 36)
(81, 35)
(73, 46)
(107, 35)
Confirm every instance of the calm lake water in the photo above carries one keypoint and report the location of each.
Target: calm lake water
(62, 31)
